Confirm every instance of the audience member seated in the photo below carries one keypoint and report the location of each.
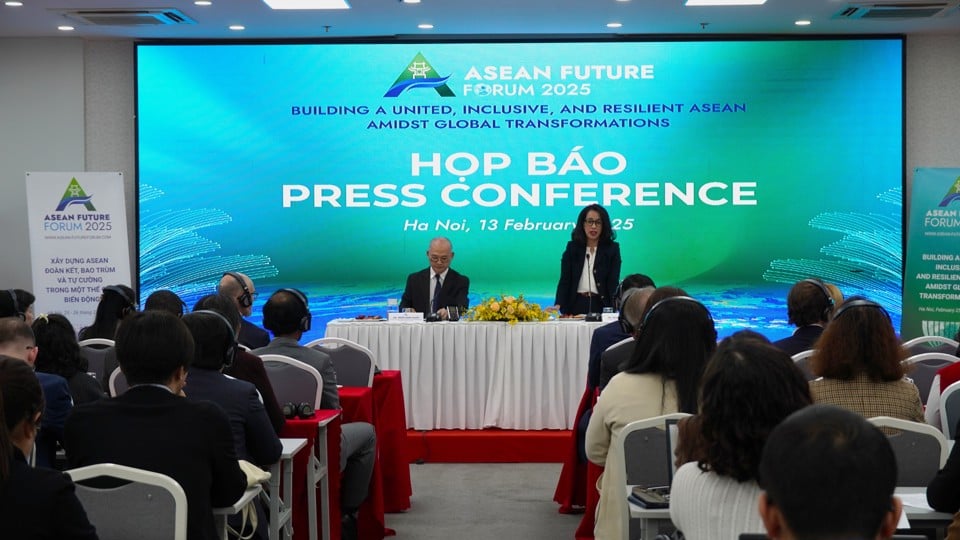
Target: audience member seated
(165, 300)
(747, 389)
(946, 376)
(674, 341)
(809, 307)
(858, 359)
(246, 366)
(828, 473)
(37, 504)
(240, 288)
(943, 493)
(116, 302)
(17, 341)
(287, 315)
(17, 303)
(152, 426)
(58, 353)
(633, 311)
(421, 295)
(613, 332)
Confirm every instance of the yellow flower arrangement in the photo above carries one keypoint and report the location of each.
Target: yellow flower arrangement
(511, 309)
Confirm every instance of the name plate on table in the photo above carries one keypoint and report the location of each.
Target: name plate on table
(405, 317)
(610, 317)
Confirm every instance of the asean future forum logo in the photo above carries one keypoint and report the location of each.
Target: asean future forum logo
(953, 194)
(75, 195)
(420, 74)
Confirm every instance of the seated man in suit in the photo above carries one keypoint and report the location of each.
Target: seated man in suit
(287, 315)
(437, 287)
(240, 287)
(809, 308)
(152, 426)
(610, 333)
(17, 341)
(827, 472)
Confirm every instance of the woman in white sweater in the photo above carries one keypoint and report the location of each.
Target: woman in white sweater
(674, 341)
(748, 388)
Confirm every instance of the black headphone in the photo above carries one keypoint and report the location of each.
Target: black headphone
(307, 318)
(299, 410)
(823, 288)
(245, 299)
(131, 303)
(652, 310)
(16, 305)
(231, 351)
(858, 303)
(625, 325)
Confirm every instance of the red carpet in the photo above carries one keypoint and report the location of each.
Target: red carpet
(487, 446)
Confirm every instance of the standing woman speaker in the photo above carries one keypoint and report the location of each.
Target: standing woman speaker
(590, 265)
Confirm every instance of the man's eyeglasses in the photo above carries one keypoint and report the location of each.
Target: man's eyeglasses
(434, 258)
(594, 222)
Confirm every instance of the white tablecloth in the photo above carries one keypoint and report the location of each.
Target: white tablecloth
(472, 375)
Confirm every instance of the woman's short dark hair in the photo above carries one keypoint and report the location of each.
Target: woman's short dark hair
(748, 388)
(859, 340)
(213, 336)
(166, 300)
(607, 234)
(25, 299)
(675, 340)
(20, 398)
(151, 346)
(57, 348)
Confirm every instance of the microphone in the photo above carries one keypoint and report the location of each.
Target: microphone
(591, 279)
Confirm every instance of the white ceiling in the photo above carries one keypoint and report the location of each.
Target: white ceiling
(452, 18)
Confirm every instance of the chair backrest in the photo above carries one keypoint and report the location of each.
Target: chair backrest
(117, 383)
(151, 506)
(101, 356)
(802, 361)
(931, 341)
(921, 449)
(293, 381)
(950, 410)
(353, 362)
(612, 357)
(923, 367)
(641, 449)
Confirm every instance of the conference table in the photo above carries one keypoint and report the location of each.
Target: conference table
(475, 375)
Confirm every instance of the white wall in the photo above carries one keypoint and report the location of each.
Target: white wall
(68, 105)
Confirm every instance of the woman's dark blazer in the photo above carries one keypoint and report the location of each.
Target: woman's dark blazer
(606, 272)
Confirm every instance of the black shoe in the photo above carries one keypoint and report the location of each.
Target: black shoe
(348, 527)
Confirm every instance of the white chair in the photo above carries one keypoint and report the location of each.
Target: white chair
(101, 357)
(921, 449)
(922, 368)
(802, 361)
(117, 383)
(292, 380)
(931, 341)
(641, 457)
(151, 506)
(353, 362)
(950, 410)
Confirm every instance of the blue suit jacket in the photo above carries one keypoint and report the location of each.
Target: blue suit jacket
(57, 406)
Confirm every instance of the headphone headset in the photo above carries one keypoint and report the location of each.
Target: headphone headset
(858, 303)
(16, 304)
(231, 351)
(299, 410)
(245, 299)
(307, 318)
(625, 324)
(823, 288)
(131, 303)
(669, 299)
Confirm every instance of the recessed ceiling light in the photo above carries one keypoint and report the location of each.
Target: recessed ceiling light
(203, 3)
(13, 4)
(237, 27)
(725, 2)
(802, 22)
(65, 28)
(307, 4)
(409, 1)
(614, 25)
(425, 26)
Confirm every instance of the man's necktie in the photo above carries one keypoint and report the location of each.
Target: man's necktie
(435, 303)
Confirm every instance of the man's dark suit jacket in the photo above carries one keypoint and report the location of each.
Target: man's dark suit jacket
(41, 504)
(606, 273)
(802, 339)
(57, 405)
(253, 436)
(252, 336)
(603, 337)
(249, 367)
(454, 292)
(150, 428)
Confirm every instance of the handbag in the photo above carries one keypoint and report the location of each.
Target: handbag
(248, 514)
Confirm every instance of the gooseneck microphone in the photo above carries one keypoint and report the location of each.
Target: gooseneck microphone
(590, 280)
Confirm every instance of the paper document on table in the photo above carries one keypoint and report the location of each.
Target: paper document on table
(916, 500)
